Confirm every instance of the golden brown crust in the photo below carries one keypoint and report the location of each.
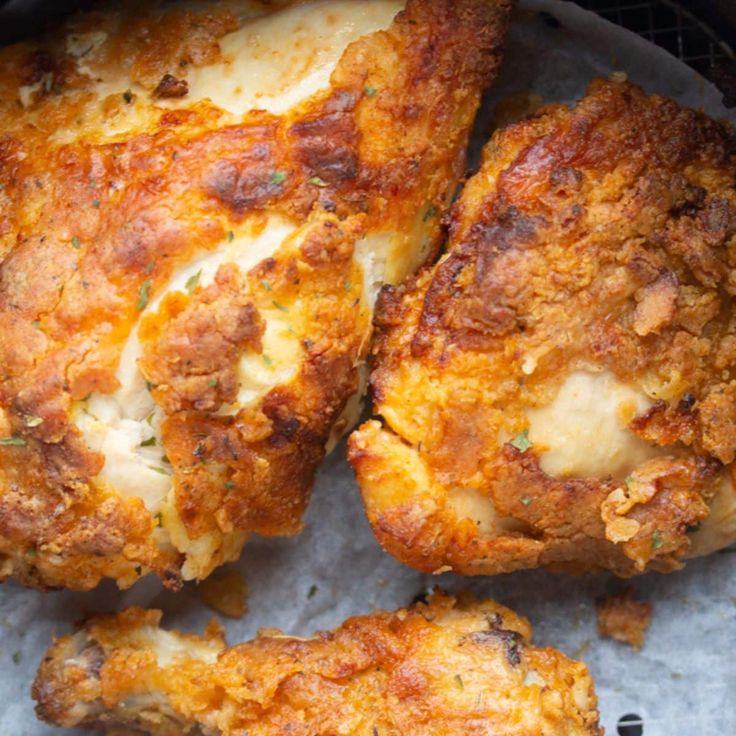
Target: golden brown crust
(623, 618)
(451, 667)
(597, 239)
(92, 227)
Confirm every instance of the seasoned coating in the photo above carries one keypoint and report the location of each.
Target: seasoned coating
(559, 390)
(623, 618)
(447, 667)
(198, 204)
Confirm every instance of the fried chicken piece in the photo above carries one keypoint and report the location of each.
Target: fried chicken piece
(447, 667)
(623, 618)
(198, 205)
(559, 390)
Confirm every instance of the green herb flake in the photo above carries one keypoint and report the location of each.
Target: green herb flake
(36, 323)
(526, 500)
(312, 592)
(230, 236)
(317, 182)
(657, 541)
(278, 177)
(159, 519)
(143, 295)
(33, 421)
(229, 485)
(150, 442)
(160, 471)
(149, 267)
(149, 385)
(628, 480)
(430, 213)
(32, 552)
(128, 96)
(212, 383)
(459, 682)
(16, 657)
(348, 286)
(280, 307)
(12, 442)
(267, 360)
(370, 91)
(96, 203)
(75, 243)
(521, 441)
(193, 282)
(266, 285)
(165, 459)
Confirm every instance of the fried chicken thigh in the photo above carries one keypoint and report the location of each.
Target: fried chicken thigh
(559, 390)
(198, 204)
(447, 667)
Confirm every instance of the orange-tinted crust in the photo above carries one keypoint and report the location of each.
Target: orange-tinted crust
(91, 230)
(623, 618)
(599, 238)
(448, 667)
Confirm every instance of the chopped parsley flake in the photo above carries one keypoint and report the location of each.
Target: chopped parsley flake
(149, 385)
(150, 442)
(459, 682)
(266, 285)
(212, 382)
(193, 281)
(32, 552)
(149, 267)
(230, 236)
(143, 294)
(33, 421)
(278, 177)
(12, 442)
(96, 203)
(159, 519)
(75, 242)
(16, 657)
(280, 307)
(370, 91)
(430, 213)
(229, 484)
(526, 500)
(160, 471)
(312, 592)
(317, 182)
(267, 360)
(348, 286)
(657, 541)
(36, 323)
(521, 441)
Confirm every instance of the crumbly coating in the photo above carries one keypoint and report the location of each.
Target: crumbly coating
(623, 618)
(93, 223)
(447, 667)
(598, 239)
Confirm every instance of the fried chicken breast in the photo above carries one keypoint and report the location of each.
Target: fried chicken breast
(560, 390)
(198, 204)
(447, 667)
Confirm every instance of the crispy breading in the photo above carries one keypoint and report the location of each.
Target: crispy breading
(559, 390)
(623, 618)
(197, 207)
(446, 667)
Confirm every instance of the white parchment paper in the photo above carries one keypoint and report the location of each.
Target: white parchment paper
(682, 683)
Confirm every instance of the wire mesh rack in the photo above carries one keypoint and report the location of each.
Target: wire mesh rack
(683, 29)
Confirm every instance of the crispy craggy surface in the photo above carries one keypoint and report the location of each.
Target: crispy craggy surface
(124, 177)
(446, 667)
(559, 389)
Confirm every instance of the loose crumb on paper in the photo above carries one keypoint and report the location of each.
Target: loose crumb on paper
(226, 593)
(623, 618)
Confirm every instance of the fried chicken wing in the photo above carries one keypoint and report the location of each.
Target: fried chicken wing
(559, 390)
(447, 667)
(198, 204)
